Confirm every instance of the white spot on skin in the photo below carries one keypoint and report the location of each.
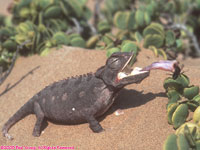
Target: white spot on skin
(73, 109)
(64, 97)
(81, 94)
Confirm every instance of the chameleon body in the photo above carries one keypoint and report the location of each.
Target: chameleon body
(79, 99)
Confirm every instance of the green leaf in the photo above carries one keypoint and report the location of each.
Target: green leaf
(170, 38)
(182, 142)
(153, 40)
(180, 115)
(173, 97)
(139, 17)
(170, 143)
(53, 12)
(108, 38)
(82, 2)
(78, 42)
(92, 41)
(130, 20)
(112, 50)
(120, 20)
(179, 44)
(10, 45)
(138, 37)
(103, 26)
(154, 28)
(191, 92)
(75, 7)
(45, 52)
(147, 18)
(129, 47)
(61, 38)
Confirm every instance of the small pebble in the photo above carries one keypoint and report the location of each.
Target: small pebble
(119, 112)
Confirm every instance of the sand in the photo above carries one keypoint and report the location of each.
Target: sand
(143, 126)
(3, 5)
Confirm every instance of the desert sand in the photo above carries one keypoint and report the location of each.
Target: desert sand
(143, 126)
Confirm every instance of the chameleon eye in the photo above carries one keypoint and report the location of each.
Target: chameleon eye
(114, 63)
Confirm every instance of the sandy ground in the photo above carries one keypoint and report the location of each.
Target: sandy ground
(143, 126)
(3, 5)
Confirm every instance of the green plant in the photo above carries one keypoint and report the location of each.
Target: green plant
(183, 98)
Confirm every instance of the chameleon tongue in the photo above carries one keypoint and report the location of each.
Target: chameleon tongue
(166, 65)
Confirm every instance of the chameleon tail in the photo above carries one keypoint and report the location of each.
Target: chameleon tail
(25, 110)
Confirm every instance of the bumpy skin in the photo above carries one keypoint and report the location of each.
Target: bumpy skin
(78, 99)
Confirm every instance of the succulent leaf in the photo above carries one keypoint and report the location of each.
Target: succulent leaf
(10, 45)
(78, 42)
(120, 20)
(170, 111)
(191, 92)
(154, 28)
(197, 98)
(52, 12)
(76, 8)
(45, 52)
(180, 115)
(192, 105)
(183, 80)
(24, 12)
(182, 142)
(103, 27)
(129, 47)
(153, 40)
(196, 115)
(170, 143)
(173, 96)
(139, 18)
(170, 38)
(147, 18)
(92, 41)
(170, 83)
(61, 38)
(112, 50)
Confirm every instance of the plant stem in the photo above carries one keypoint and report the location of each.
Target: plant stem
(2, 79)
(190, 35)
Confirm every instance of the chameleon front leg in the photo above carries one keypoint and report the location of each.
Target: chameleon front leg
(40, 117)
(94, 125)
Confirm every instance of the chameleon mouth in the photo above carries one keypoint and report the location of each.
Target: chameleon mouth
(127, 71)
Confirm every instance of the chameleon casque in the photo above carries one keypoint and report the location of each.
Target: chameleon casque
(82, 98)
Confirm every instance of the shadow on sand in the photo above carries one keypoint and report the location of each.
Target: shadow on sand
(8, 87)
(129, 98)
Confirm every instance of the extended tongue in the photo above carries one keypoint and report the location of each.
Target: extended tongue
(166, 65)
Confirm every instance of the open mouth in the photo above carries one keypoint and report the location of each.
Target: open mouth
(127, 71)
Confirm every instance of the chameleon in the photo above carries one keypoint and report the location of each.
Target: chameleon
(80, 99)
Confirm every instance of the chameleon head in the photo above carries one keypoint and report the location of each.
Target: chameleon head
(118, 71)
